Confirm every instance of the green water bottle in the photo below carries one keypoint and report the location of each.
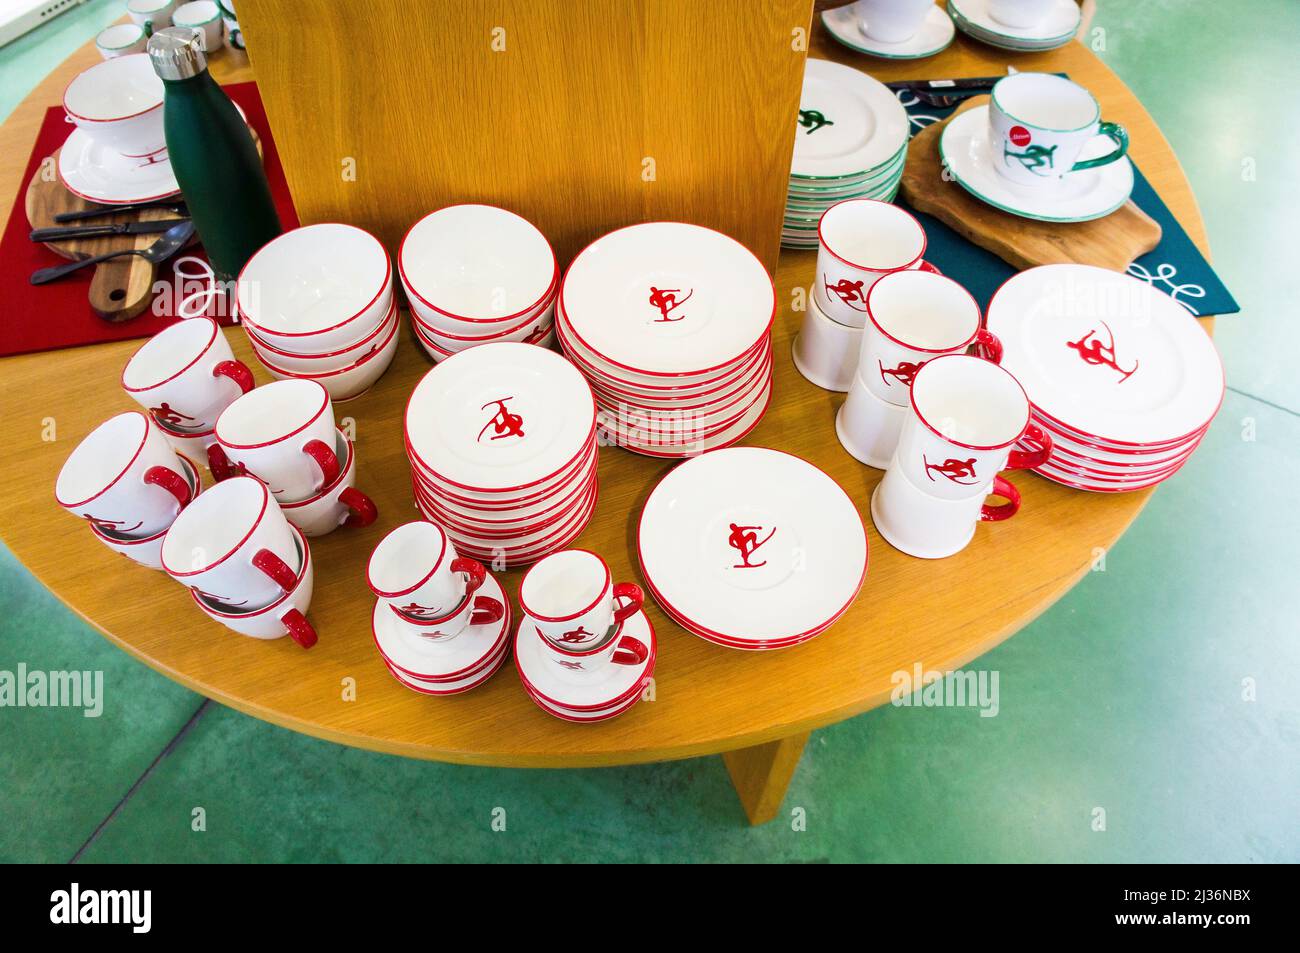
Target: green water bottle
(213, 155)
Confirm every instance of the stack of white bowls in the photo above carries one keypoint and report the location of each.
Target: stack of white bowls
(475, 274)
(502, 444)
(670, 324)
(317, 303)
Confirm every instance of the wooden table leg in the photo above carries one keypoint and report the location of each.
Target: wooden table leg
(762, 773)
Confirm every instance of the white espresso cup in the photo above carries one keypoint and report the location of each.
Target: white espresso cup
(891, 21)
(416, 570)
(283, 434)
(473, 610)
(859, 242)
(913, 317)
(125, 478)
(966, 416)
(204, 16)
(186, 375)
(121, 39)
(576, 666)
(1039, 123)
(233, 546)
(572, 599)
(1020, 14)
(339, 504)
(118, 103)
(151, 15)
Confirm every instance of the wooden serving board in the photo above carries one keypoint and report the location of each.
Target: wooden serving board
(1111, 242)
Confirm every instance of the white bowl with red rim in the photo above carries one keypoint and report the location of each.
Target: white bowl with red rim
(118, 103)
(467, 268)
(540, 335)
(316, 289)
(520, 330)
(353, 380)
(324, 361)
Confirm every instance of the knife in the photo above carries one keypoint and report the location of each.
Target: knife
(947, 85)
(68, 233)
(171, 205)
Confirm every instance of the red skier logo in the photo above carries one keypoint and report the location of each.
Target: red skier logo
(665, 299)
(744, 539)
(1093, 351)
(213, 597)
(571, 666)
(112, 526)
(419, 611)
(903, 373)
(849, 293)
(955, 470)
(166, 414)
(578, 636)
(1019, 136)
(503, 423)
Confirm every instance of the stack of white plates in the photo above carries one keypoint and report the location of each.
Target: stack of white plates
(1120, 375)
(475, 274)
(752, 548)
(851, 143)
(670, 324)
(502, 444)
(1056, 29)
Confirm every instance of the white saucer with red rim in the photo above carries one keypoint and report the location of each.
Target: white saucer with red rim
(667, 298)
(451, 687)
(498, 416)
(753, 546)
(97, 173)
(401, 645)
(605, 689)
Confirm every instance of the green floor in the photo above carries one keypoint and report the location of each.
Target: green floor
(1162, 694)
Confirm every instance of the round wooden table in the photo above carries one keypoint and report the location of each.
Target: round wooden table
(755, 708)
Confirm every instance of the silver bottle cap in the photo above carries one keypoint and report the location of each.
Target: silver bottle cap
(177, 52)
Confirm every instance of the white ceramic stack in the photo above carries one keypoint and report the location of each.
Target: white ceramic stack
(1022, 25)
(851, 142)
(317, 304)
(502, 444)
(1120, 375)
(475, 274)
(670, 325)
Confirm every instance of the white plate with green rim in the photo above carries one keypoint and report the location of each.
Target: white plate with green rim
(934, 36)
(849, 123)
(890, 169)
(1060, 24)
(1081, 197)
(815, 181)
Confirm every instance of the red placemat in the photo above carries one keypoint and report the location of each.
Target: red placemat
(45, 317)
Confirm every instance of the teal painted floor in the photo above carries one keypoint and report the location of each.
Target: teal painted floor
(1152, 715)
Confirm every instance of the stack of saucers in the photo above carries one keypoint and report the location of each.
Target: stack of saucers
(317, 303)
(851, 143)
(1023, 25)
(502, 444)
(1119, 374)
(475, 274)
(670, 324)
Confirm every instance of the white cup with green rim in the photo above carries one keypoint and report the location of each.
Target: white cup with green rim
(204, 16)
(120, 40)
(150, 15)
(891, 21)
(1020, 14)
(1039, 123)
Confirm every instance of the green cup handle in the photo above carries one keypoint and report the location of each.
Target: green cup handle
(148, 28)
(1116, 132)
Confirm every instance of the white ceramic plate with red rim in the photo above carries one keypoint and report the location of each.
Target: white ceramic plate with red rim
(581, 718)
(499, 416)
(1106, 354)
(667, 298)
(744, 645)
(651, 444)
(602, 688)
(457, 687)
(752, 544)
(477, 263)
(402, 646)
(849, 123)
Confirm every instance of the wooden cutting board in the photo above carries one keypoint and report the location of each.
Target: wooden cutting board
(1111, 242)
(121, 288)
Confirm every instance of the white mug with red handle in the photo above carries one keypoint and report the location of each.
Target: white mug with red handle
(234, 546)
(283, 434)
(571, 598)
(417, 571)
(473, 610)
(186, 375)
(124, 477)
(339, 504)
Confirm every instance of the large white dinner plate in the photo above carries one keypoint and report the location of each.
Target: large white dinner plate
(752, 544)
(1106, 354)
(98, 174)
(667, 298)
(849, 122)
(499, 416)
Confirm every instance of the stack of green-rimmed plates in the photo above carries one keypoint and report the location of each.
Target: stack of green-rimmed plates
(1057, 28)
(851, 143)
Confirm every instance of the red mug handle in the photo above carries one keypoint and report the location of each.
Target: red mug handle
(632, 593)
(630, 651)
(299, 628)
(994, 512)
(926, 266)
(238, 372)
(486, 609)
(171, 481)
(276, 569)
(325, 458)
(474, 569)
(1029, 459)
(364, 512)
(218, 463)
(988, 345)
